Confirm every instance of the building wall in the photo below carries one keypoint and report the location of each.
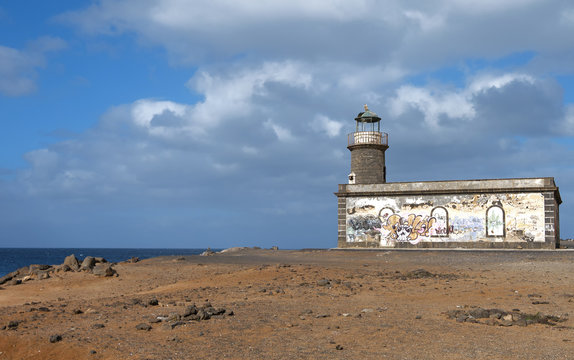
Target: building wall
(440, 220)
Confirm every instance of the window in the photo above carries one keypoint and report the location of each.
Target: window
(495, 224)
(440, 227)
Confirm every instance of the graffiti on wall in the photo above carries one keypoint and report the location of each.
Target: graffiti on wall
(412, 228)
(363, 228)
(387, 221)
(389, 228)
(440, 228)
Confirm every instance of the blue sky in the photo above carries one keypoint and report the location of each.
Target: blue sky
(174, 123)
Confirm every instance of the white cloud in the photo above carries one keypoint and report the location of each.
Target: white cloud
(488, 81)
(18, 67)
(322, 123)
(230, 95)
(361, 32)
(282, 133)
(435, 103)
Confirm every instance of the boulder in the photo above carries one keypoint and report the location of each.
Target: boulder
(143, 326)
(103, 269)
(15, 274)
(4, 279)
(72, 262)
(100, 260)
(35, 268)
(479, 313)
(43, 275)
(88, 263)
(55, 338)
(63, 268)
(190, 310)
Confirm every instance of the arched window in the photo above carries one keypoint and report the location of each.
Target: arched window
(440, 227)
(495, 223)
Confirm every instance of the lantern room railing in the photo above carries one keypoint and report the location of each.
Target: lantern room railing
(367, 137)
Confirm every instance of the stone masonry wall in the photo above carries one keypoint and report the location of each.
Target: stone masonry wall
(368, 164)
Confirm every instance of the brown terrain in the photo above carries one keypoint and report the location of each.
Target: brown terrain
(308, 304)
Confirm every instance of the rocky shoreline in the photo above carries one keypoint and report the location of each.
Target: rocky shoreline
(95, 265)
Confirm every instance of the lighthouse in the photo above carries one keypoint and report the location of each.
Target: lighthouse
(368, 145)
(516, 213)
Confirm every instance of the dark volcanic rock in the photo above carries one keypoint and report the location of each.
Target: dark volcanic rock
(153, 302)
(177, 323)
(143, 326)
(5, 278)
(479, 313)
(55, 338)
(503, 318)
(189, 310)
(13, 324)
(203, 315)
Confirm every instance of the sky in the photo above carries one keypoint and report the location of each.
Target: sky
(217, 123)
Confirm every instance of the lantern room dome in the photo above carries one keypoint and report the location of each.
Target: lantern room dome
(367, 116)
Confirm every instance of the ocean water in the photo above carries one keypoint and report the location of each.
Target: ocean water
(14, 258)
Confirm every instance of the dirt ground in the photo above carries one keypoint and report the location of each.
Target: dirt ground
(308, 304)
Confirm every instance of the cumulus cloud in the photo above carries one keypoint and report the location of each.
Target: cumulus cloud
(135, 145)
(322, 123)
(364, 32)
(506, 103)
(18, 67)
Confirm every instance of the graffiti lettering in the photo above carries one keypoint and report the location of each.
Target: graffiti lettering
(411, 228)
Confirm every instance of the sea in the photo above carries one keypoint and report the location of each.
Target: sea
(14, 258)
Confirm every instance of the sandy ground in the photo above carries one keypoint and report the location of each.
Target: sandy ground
(309, 304)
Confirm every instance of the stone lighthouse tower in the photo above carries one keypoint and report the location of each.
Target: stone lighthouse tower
(368, 145)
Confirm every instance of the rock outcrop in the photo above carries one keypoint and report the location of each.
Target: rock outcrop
(95, 265)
